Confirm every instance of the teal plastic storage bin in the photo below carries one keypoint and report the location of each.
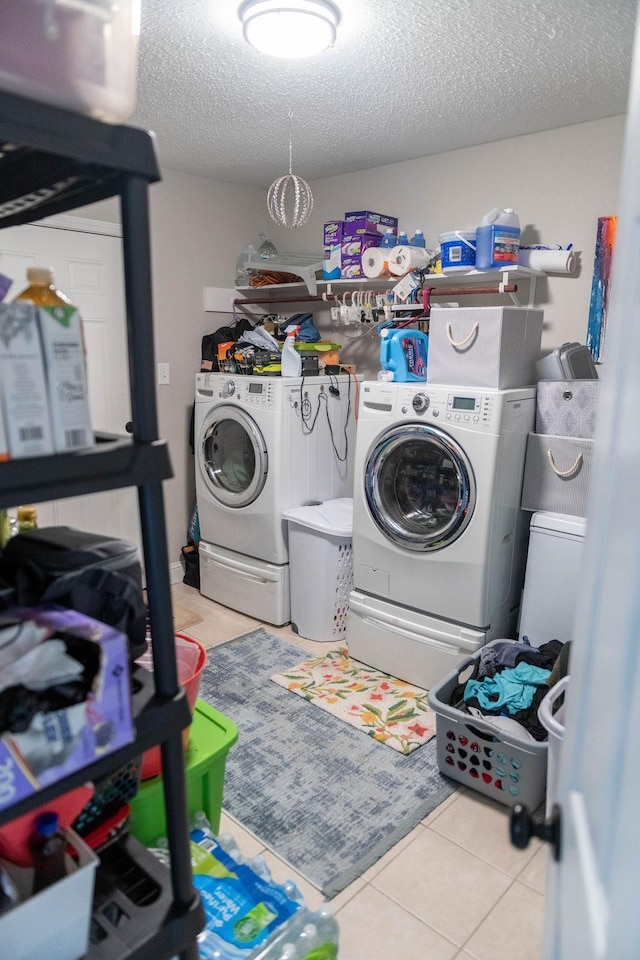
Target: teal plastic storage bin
(212, 736)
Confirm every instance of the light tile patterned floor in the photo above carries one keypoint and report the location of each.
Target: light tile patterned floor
(453, 889)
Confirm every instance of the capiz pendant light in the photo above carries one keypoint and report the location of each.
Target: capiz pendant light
(295, 209)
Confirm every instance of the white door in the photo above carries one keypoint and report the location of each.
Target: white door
(592, 894)
(88, 268)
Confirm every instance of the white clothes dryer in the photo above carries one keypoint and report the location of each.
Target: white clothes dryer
(439, 539)
(262, 446)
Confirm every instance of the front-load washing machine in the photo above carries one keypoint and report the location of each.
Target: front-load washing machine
(439, 539)
(264, 445)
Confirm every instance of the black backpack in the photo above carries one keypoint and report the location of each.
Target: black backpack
(88, 572)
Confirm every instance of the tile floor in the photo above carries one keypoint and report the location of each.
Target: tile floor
(453, 889)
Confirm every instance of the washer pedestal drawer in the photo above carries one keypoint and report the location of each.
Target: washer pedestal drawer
(406, 644)
(253, 587)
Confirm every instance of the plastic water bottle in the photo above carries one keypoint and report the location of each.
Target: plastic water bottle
(291, 361)
(403, 239)
(417, 240)
(498, 239)
(47, 845)
(389, 239)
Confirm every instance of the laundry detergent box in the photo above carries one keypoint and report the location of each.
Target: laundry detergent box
(68, 389)
(356, 246)
(366, 221)
(333, 232)
(23, 382)
(66, 696)
(332, 262)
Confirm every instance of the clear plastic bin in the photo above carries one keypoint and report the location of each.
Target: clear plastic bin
(321, 568)
(78, 54)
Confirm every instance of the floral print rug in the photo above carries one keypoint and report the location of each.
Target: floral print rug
(390, 711)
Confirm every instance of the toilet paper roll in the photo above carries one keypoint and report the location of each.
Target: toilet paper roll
(404, 259)
(549, 261)
(375, 263)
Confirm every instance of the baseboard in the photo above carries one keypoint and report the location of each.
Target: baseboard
(176, 573)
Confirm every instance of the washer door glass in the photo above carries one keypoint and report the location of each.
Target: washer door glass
(233, 457)
(419, 487)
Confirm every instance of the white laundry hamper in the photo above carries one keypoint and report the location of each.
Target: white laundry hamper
(321, 568)
(554, 725)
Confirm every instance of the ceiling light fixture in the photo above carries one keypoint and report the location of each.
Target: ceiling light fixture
(289, 28)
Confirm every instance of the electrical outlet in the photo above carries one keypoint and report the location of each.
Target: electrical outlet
(164, 375)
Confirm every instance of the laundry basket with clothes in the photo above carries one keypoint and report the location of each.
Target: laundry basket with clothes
(488, 733)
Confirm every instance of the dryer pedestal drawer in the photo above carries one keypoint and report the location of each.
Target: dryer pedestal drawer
(253, 587)
(406, 644)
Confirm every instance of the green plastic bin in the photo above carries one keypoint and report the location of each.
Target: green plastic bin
(212, 736)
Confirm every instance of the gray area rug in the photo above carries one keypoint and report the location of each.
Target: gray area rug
(323, 796)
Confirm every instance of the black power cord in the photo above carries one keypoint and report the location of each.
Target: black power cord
(306, 410)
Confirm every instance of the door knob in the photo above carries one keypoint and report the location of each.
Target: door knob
(523, 825)
(129, 426)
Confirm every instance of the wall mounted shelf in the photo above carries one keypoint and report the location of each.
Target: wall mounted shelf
(327, 290)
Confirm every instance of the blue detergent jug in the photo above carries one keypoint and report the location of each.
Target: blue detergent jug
(403, 354)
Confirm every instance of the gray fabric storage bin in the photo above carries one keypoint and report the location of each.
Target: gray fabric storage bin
(484, 346)
(557, 471)
(567, 408)
(510, 769)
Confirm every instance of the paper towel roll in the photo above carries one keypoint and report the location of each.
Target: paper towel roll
(375, 262)
(549, 261)
(404, 259)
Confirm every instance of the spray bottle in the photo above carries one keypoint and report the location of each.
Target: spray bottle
(291, 361)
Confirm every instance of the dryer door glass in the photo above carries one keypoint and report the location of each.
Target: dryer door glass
(233, 457)
(419, 487)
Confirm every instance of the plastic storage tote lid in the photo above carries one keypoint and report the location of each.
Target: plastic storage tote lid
(332, 516)
(558, 523)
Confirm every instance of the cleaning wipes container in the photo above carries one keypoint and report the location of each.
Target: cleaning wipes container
(320, 568)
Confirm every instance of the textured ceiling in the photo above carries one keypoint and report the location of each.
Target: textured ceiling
(406, 78)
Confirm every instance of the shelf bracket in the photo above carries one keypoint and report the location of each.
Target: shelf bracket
(515, 299)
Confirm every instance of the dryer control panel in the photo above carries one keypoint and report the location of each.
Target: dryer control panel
(473, 408)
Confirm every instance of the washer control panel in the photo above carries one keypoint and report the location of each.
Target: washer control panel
(460, 407)
(420, 402)
(254, 391)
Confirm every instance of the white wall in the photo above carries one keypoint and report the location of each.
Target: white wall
(198, 228)
(559, 182)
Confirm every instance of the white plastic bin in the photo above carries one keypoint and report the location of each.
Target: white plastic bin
(321, 568)
(554, 725)
(55, 922)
